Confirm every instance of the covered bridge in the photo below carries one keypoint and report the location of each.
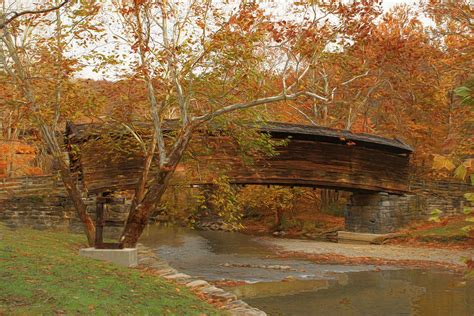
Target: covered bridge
(313, 156)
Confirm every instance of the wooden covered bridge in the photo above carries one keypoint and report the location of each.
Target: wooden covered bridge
(364, 164)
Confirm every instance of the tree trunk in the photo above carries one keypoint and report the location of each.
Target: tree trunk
(138, 216)
(81, 209)
(328, 198)
(278, 214)
(47, 132)
(73, 191)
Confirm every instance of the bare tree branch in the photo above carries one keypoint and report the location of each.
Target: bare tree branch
(306, 116)
(15, 15)
(246, 105)
(154, 105)
(355, 78)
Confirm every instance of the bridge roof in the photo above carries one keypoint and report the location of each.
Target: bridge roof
(81, 132)
(335, 136)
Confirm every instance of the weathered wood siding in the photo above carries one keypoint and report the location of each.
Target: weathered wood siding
(302, 162)
(319, 164)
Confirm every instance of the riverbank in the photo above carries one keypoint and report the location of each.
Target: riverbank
(42, 273)
(148, 260)
(398, 255)
(249, 268)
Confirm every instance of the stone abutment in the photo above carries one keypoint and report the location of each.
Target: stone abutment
(41, 202)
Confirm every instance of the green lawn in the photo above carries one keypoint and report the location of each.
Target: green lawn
(42, 273)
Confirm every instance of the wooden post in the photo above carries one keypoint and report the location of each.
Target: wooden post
(102, 201)
(99, 221)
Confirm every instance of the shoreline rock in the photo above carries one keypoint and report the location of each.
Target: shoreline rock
(227, 301)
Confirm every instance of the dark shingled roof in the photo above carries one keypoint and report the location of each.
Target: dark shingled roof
(335, 135)
(81, 132)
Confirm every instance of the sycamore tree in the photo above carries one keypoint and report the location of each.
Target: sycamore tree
(340, 76)
(201, 61)
(37, 66)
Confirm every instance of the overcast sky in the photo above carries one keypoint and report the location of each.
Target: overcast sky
(387, 4)
(279, 5)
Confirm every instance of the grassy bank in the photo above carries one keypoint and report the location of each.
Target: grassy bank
(41, 273)
(450, 232)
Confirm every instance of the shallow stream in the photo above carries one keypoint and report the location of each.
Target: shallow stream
(301, 287)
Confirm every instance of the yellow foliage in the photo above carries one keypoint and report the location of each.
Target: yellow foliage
(442, 162)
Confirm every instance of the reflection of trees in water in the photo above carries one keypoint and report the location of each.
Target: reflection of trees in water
(388, 292)
(444, 294)
(233, 243)
(163, 236)
(267, 289)
(399, 292)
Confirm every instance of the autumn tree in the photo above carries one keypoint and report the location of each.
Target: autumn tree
(401, 75)
(202, 61)
(338, 78)
(37, 71)
(453, 32)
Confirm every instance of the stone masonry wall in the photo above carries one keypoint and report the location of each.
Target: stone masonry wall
(445, 196)
(371, 213)
(384, 213)
(41, 202)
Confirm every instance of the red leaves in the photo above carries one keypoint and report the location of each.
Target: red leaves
(135, 46)
(470, 264)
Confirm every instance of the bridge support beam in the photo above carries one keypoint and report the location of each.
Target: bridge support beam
(376, 213)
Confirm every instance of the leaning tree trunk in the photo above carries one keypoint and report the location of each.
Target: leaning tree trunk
(81, 209)
(73, 192)
(22, 80)
(139, 215)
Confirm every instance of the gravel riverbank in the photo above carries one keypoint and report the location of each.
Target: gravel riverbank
(383, 253)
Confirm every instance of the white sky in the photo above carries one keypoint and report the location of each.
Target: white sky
(279, 5)
(387, 4)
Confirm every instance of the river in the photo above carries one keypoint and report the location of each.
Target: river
(301, 287)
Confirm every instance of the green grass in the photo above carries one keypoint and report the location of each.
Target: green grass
(42, 273)
(451, 232)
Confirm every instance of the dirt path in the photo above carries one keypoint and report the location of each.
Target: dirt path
(389, 253)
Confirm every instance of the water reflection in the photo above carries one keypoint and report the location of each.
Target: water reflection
(309, 288)
(232, 256)
(400, 292)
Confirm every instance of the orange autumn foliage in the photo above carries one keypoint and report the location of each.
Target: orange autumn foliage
(17, 159)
